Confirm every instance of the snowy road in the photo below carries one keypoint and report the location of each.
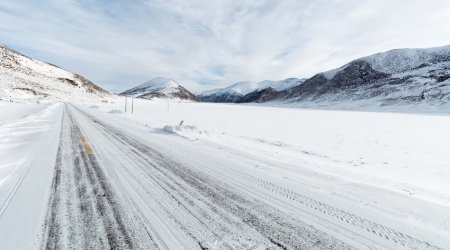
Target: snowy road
(186, 206)
(84, 209)
(113, 187)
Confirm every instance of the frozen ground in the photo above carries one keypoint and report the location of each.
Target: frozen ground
(230, 176)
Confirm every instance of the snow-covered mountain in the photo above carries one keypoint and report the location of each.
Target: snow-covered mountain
(248, 91)
(160, 87)
(396, 77)
(400, 77)
(24, 78)
(232, 93)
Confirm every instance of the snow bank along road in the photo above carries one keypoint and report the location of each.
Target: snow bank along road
(89, 184)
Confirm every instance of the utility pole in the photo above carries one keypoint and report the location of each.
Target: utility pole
(126, 103)
(132, 104)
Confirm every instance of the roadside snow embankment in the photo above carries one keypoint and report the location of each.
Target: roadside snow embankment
(28, 145)
(21, 139)
(12, 110)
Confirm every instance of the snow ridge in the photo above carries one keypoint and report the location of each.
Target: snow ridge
(400, 79)
(159, 83)
(160, 87)
(400, 60)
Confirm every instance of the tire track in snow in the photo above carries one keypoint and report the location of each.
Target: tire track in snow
(372, 227)
(84, 210)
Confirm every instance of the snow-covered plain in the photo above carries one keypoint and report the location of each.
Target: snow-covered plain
(390, 167)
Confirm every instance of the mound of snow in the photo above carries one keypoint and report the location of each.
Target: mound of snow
(187, 131)
(115, 111)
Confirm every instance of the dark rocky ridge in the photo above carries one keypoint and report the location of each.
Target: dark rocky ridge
(220, 98)
(263, 95)
(360, 83)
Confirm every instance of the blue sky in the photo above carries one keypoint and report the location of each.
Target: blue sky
(208, 44)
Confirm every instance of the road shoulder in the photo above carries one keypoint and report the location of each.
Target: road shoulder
(21, 221)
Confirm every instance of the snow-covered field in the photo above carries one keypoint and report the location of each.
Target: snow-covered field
(225, 176)
(402, 149)
(391, 167)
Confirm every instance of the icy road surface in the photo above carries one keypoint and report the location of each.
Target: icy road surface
(89, 182)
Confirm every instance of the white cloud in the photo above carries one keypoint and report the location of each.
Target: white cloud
(122, 43)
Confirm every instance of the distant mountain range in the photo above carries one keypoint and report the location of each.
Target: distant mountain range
(160, 87)
(249, 91)
(396, 77)
(24, 78)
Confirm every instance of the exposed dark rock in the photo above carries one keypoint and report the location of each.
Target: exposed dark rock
(222, 97)
(264, 95)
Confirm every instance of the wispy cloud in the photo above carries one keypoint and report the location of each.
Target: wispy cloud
(210, 43)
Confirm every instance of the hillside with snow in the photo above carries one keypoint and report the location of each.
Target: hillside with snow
(24, 78)
(394, 79)
(248, 91)
(160, 87)
(402, 77)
